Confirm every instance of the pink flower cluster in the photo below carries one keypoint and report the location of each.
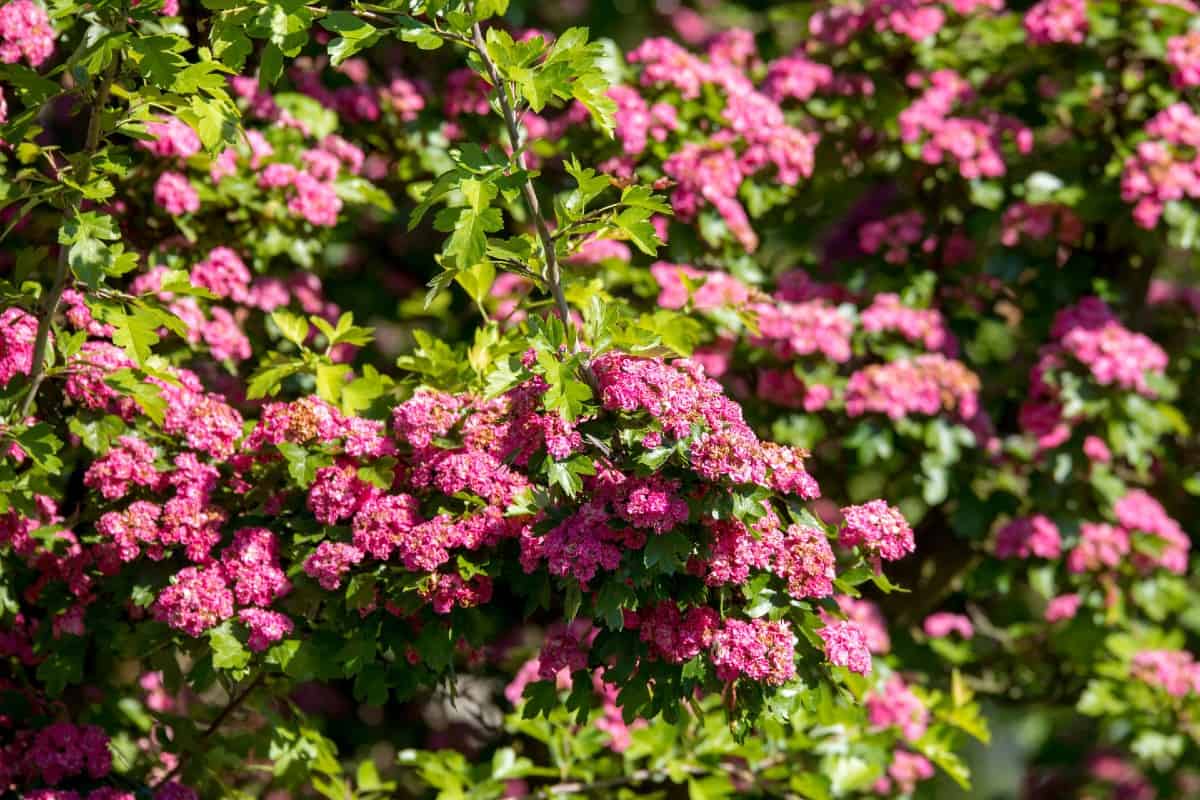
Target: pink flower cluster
(671, 635)
(1041, 221)
(1091, 332)
(895, 235)
(25, 32)
(1138, 511)
(914, 19)
(173, 138)
(972, 142)
(879, 529)
(926, 384)
(757, 135)
(1027, 537)
(57, 752)
(757, 649)
(1057, 21)
(18, 329)
(175, 194)
(1174, 671)
(926, 327)
(249, 573)
(706, 291)
(224, 274)
(1183, 54)
(1166, 167)
(800, 329)
(896, 705)
(846, 646)
(130, 461)
(637, 122)
(944, 623)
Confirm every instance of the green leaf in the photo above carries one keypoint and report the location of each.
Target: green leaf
(293, 326)
(228, 651)
(40, 444)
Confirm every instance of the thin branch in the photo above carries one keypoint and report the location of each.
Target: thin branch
(553, 271)
(229, 708)
(37, 372)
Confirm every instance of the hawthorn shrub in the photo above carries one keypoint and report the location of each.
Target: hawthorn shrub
(447, 399)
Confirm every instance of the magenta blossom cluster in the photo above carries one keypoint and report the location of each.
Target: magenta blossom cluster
(914, 19)
(1183, 54)
(55, 753)
(1166, 166)
(1176, 672)
(972, 143)
(18, 329)
(1057, 21)
(757, 136)
(25, 33)
(926, 384)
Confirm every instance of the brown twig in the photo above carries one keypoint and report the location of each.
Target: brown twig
(229, 708)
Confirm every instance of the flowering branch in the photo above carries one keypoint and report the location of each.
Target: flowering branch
(50, 303)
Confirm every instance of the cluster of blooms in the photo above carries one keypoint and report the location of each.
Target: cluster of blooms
(637, 122)
(1041, 221)
(174, 193)
(943, 623)
(361, 101)
(1104, 546)
(1165, 167)
(925, 384)
(25, 33)
(924, 326)
(895, 235)
(757, 649)
(1092, 334)
(973, 143)
(1174, 671)
(896, 705)
(756, 136)
(1057, 21)
(796, 77)
(915, 19)
(18, 329)
(1027, 537)
(1183, 54)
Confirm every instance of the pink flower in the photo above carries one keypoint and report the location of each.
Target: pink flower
(1051, 21)
(676, 637)
(252, 564)
(175, 195)
(1183, 54)
(943, 623)
(846, 646)
(173, 138)
(1097, 450)
(315, 201)
(196, 600)
(266, 627)
(18, 330)
(131, 461)
(64, 750)
(1063, 607)
(1100, 545)
(330, 561)
(1174, 671)
(896, 705)
(1026, 537)
(25, 32)
(224, 274)
(879, 529)
(755, 649)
